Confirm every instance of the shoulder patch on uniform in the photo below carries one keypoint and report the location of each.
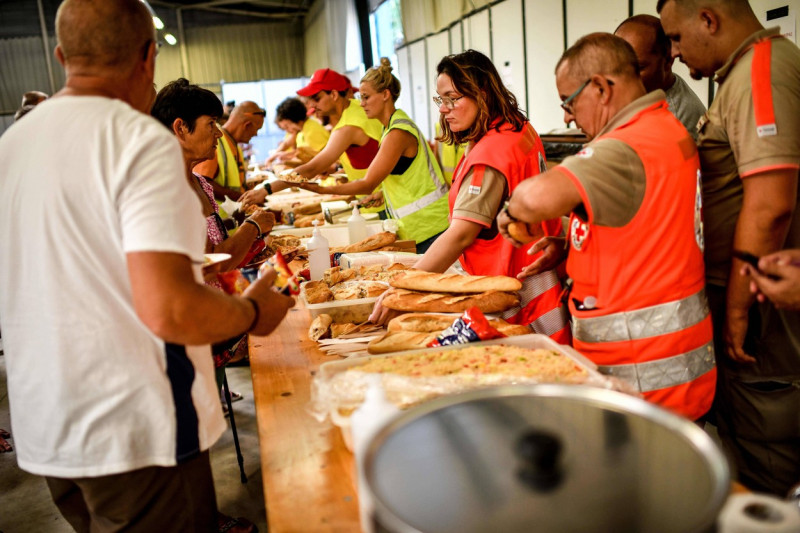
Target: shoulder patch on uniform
(586, 153)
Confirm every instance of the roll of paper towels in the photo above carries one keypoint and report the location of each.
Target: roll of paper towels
(758, 513)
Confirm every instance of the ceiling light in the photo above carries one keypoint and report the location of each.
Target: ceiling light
(170, 39)
(157, 23)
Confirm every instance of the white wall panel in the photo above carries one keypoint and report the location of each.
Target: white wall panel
(403, 73)
(509, 48)
(589, 16)
(544, 23)
(477, 33)
(456, 39)
(438, 47)
(420, 93)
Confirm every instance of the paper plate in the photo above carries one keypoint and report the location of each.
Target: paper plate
(213, 259)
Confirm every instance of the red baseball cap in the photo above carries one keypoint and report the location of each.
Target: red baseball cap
(326, 79)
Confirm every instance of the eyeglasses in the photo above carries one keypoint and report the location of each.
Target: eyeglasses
(566, 104)
(260, 113)
(446, 100)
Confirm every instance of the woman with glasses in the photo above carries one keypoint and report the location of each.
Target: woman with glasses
(502, 150)
(414, 188)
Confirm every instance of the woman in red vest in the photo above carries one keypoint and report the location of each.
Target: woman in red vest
(502, 150)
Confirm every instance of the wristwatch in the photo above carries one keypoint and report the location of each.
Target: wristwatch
(268, 187)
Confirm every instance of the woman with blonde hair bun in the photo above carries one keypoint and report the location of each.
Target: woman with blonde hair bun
(413, 185)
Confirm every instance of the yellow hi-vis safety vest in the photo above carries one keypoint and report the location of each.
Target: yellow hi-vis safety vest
(354, 115)
(314, 135)
(418, 197)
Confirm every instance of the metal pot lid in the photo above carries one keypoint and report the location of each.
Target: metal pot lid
(543, 458)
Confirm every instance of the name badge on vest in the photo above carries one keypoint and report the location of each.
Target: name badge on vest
(579, 232)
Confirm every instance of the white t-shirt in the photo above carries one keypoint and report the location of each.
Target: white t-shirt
(83, 181)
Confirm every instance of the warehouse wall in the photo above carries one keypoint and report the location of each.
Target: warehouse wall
(242, 52)
(524, 39)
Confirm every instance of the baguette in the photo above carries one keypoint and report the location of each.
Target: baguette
(487, 302)
(399, 341)
(431, 323)
(307, 209)
(373, 242)
(320, 327)
(418, 280)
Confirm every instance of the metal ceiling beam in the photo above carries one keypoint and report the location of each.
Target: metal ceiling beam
(246, 13)
(260, 3)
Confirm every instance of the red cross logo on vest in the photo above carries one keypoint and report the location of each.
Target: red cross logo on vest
(579, 231)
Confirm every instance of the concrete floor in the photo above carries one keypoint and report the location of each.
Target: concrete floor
(26, 506)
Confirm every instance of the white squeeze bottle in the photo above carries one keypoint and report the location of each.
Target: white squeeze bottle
(365, 422)
(319, 256)
(356, 225)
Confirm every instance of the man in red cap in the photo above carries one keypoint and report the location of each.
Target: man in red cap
(354, 138)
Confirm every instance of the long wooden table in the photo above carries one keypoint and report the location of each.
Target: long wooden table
(308, 474)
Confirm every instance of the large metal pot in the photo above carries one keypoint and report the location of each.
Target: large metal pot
(544, 458)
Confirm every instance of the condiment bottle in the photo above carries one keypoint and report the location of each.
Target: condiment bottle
(365, 422)
(356, 225)
(319, 256)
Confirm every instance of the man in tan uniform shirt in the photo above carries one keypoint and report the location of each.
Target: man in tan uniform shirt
(749, 145)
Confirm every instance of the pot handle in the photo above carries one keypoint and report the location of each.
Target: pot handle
(540, 454)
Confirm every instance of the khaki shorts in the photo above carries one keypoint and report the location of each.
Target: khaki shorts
(176, 499)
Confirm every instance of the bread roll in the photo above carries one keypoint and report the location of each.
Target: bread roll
(418, 280)
(525, 233)
(487, 302)
(320, 327)
(399, 341)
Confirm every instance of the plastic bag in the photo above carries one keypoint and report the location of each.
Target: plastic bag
(472, 326)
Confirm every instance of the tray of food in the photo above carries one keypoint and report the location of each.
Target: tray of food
(414, 377)
(348, 295)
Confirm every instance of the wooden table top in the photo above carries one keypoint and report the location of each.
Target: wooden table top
(308, 474)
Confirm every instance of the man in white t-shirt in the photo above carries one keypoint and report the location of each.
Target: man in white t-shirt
(106, 322)
(646, 36)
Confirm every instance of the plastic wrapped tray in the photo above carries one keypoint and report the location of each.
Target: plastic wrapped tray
(335, 394)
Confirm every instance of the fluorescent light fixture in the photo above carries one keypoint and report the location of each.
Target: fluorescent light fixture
(157, 23)
(170, 39)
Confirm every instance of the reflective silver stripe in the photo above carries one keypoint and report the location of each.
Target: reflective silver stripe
(550, 322)
(643, 323)
(448, 169)
(431, 197)
(664, 373)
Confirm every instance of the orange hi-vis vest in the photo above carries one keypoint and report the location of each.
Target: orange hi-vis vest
(638, 303)
(517, 155)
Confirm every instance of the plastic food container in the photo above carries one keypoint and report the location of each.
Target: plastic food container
(336, 234)
(337, 397)
(342, 311)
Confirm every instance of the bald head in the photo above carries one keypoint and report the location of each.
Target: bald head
(652, 48)
(103, 33)
(732, 7)
(245, 121)
(599, 53)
